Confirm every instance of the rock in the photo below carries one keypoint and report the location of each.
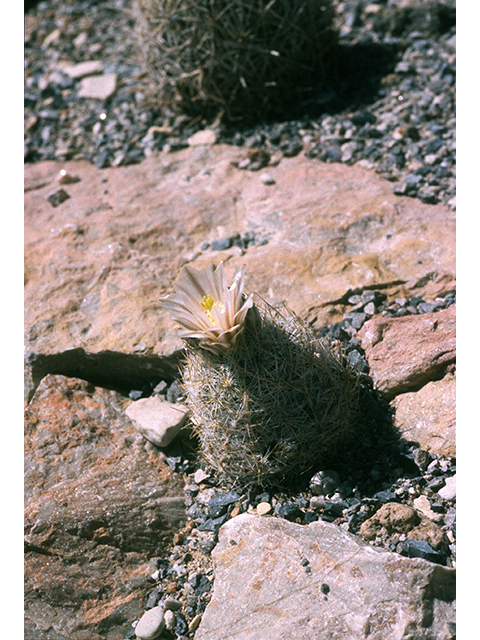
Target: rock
(266, 178)
(449, 491)
(404, 353)
(83, 69)
(66, 178)
(56, 197)
(422, 505)
(324, 483)
(262, 590)
(119, 243)
(263, 508)
(98, 87)
(157, 420)
(207, 136)
(428, 416)
(98, 506)
(393, 517)
(151, 624)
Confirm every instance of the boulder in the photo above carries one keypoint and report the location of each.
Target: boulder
(428, 416)
(98, 507)
(277, 579)
(406, 353)
(96, 264)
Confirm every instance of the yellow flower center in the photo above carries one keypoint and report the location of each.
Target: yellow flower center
(208, 303)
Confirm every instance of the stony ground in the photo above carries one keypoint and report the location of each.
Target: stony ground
(398, 121)
(391, 106)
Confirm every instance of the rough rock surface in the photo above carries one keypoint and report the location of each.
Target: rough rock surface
(100, 503)
(99, 506)
(97, 263)
(420, 348)
(276, 579)
(428, 415)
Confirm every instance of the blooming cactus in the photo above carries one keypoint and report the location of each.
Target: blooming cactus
(206, 308)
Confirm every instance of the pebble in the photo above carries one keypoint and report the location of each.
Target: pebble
(98, 87)
(55, 198)
(324, 482)
(205, 137)
(263, 508)
(151, 624)
(449, 491)
(266, 178)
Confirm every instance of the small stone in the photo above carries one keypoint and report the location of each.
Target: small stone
(170, 620)
(172, 604)
(317, 502)
(221, 244)
(66, 178)
(207, 136)
(98, 87)
(266, 178)
(83, 69)
(420, 549)
(151, 624)
(324, 483)
(57, 197)
(52, 37)
(449, 491)
(200, 476)
(194, 622)
(422, 505)
(263, 508)
(157, 420)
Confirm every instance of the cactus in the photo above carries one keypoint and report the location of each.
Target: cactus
(236, 57)
(273, 406)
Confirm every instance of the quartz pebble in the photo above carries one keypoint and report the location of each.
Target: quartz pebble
(151, 624)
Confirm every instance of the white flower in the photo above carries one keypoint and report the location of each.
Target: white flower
(206, 308)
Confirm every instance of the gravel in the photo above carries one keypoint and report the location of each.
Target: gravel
(391, 105)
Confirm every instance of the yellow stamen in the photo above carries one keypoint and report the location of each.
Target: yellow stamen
(208, 303)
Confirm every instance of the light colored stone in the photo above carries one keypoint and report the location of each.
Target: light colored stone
(170, 620)
(428, 416)
(422, 505)
(207, 136)
(151, 624)
(266, 178)
(262, 591)
(200, 476)
(449, 491)
(263, 508)
(83, 69)
(98, 87)
(157, 420)
(404, 353)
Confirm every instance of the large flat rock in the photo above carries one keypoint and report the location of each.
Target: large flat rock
(276, 579)
(98, 507)
(97, 263)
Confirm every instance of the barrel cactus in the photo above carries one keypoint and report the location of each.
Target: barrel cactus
(269, 402)
(236, 58)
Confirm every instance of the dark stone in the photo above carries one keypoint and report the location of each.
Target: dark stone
(56, 197)
(288, 510)
(386, 496)
(223, 499)
(221, 244)
(421, 549)
(332, 511)
(213, 524)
